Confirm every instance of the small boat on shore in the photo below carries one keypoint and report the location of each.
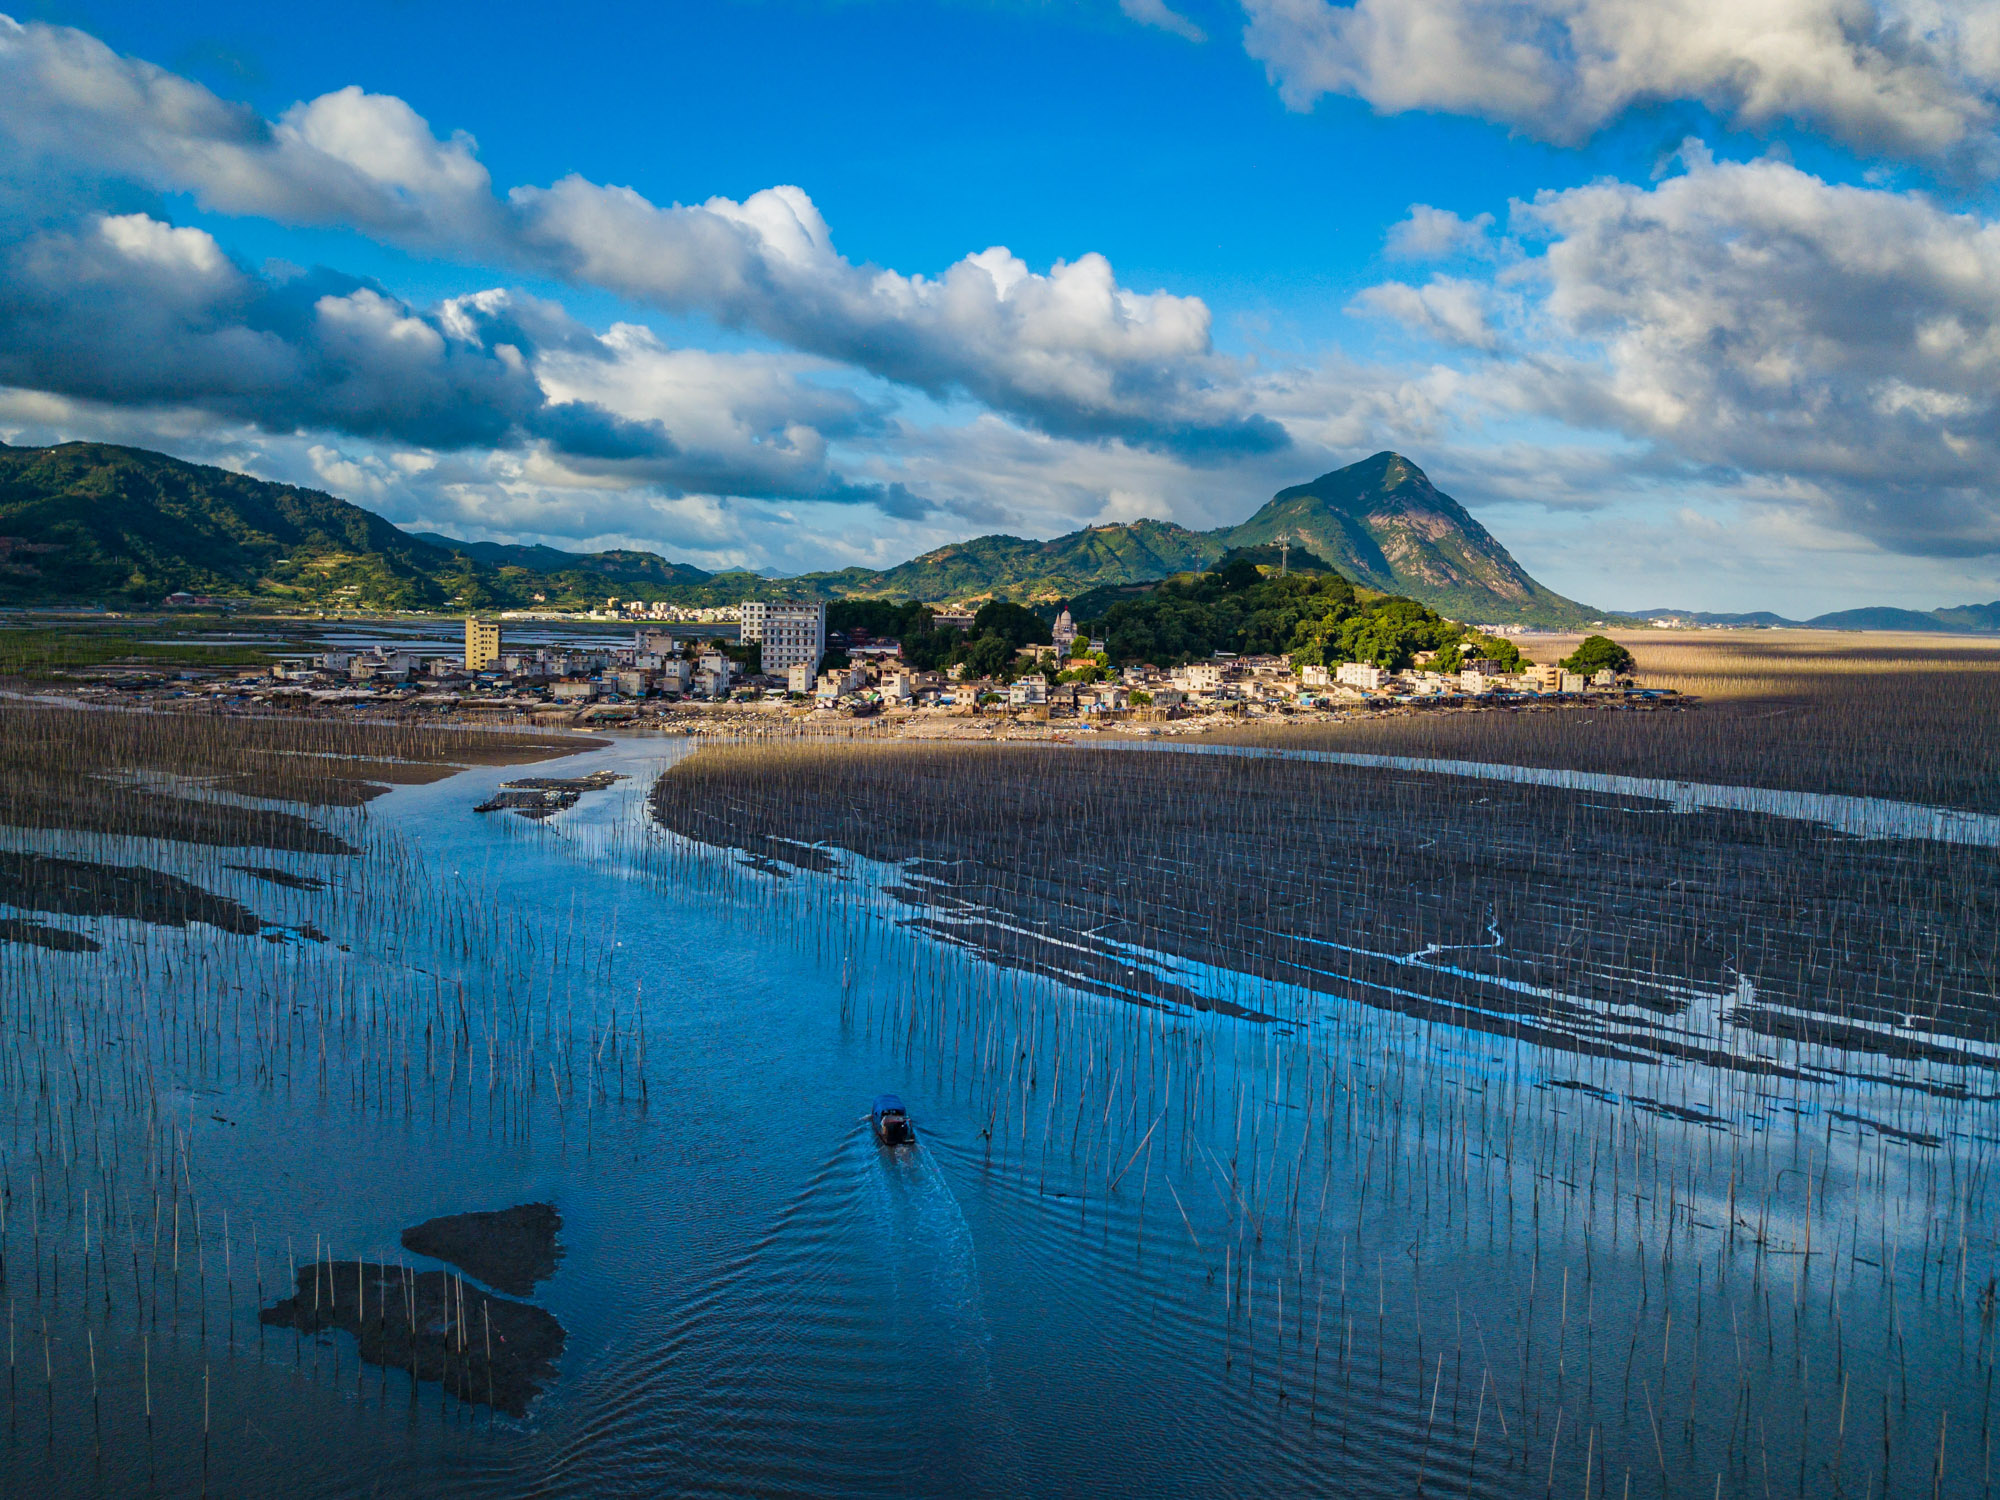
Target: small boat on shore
(892, 1122)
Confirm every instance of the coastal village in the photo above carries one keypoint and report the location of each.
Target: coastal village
(781, 664)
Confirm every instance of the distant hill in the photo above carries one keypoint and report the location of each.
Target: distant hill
(1383, 524)
(1380, 523)
(1134, 552)
(1879, 618)
(613, 567)
(95, 521)
(1703, 617)
(92, 520)
(1962, 619)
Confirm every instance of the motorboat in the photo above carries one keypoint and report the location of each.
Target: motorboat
(892, 1122)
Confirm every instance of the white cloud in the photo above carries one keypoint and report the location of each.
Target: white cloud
(1070, 349)
(1914, 78)
(1447, 308)
(1159, 13)
(1839, 344)
(1437, 234)
(1819, 353)
(125, 310)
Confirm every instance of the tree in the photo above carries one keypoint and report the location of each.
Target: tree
(1598, 653)
(1019, 625)
(988, 655)
(927, 650)
(879, 617)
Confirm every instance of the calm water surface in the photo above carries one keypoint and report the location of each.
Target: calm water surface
(1136, 1253)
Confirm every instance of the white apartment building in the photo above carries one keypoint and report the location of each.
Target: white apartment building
(1360, 674)
(791, 631)
(1028, 691)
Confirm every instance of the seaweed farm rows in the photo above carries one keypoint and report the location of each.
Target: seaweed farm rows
(1649, 1135)
(210, 950)
(1284, 1126)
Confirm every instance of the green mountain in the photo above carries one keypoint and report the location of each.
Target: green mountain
(1134, 552)
(91, 520)
(1383, 524)
(613, 567)
(95, 521)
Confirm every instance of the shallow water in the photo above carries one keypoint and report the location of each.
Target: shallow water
(1137, 1251)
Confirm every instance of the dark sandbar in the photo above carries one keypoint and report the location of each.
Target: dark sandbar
(509, 1248)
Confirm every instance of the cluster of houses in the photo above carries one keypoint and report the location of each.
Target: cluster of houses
(655, 664)
(1221, 683)
(660, 665)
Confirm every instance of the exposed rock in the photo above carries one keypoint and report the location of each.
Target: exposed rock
(484, 1349)
(509, 1248)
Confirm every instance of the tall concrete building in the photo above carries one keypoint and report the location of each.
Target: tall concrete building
(482, 643)
(792, 632)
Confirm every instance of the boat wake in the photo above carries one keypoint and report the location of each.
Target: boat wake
(939, 1322)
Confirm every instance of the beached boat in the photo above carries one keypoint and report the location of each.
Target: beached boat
(892, 1122)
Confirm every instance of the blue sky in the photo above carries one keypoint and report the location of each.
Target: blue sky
(1693, 302)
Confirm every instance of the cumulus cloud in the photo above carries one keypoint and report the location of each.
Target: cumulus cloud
(350, 158)
(1910, 78)
(1069, 350)
(1447, 308)
(1836, 347)
(124, 310)
(1437, 234)
(1755, 316)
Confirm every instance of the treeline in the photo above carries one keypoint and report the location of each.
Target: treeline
(999, 630)
(1317, 620)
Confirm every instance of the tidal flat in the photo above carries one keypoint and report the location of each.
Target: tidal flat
(1284, 1126)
